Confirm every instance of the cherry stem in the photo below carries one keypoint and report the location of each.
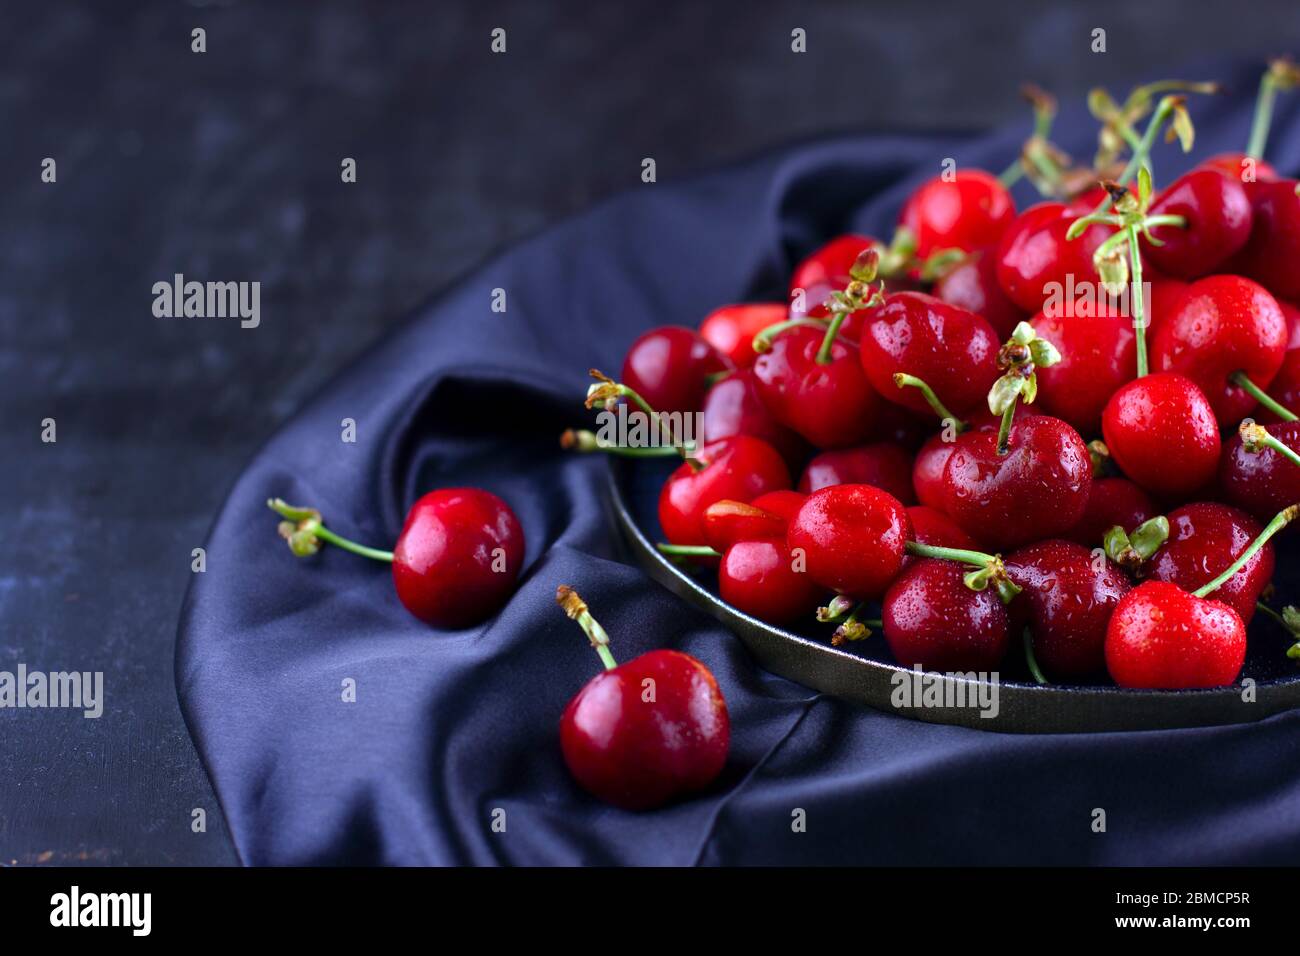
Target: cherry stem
(582, 440)
(1004, 428)
(828, 340)
(902, 380)
(1280, 521)
(1142, 149)
(1269, 612)
(576, 608)
(1242, 380)
(1280, 75)
(977, 558)
(302, 526)
(688, 550)
(1255, 437)
(763, 340)
(1032, 661)
(1136, 300)
(607, 390)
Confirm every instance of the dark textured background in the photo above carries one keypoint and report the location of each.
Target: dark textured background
(226, 166)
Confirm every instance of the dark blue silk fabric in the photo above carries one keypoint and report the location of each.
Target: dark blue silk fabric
(449, 728)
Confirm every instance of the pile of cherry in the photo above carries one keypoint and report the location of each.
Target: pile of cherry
(996, 436)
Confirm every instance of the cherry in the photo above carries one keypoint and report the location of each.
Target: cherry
(670, 368)
(1160, 636)
(1111, 502)
(1224, 327)
(827, 269)
(1035, 256)
(644, 732)
(784, 502)
(759, 578)
(1037, 489)
(731, 329)
(933, 527)
(726, 522)
(733, 406)
(738, 468)
(1285, 387)
(1270, 255)
(1098, 355)
(1066, 601)
(1166, 295)
(1161, 431)
(455, 562)
(930, 461)
(967, 212)
(932, 619)
(1204, 539)
(829, 403)
(973, 285)
(1217, 217)
(1235, 165)
(884, 465)
(1255, 475)
(852, 538)
(950, 349)
(898, 426)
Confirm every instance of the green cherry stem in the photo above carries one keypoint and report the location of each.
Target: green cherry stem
(1004, 427)
(607, 392)
(1255, 437)
(1242, 380)
(687, 550)
(1032, 661)
(1136, 300)
(1280, 75)
(977, 558)
(763, 340)
(1280, 521)
(576, 608)
(828, 340)
(582, 440)
(1163, 110)
(903, 380)
(302, 527)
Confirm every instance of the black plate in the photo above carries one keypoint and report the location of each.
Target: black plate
(867, 673)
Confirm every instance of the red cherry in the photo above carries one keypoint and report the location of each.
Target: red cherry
(973, 285)
(1034, 256)
(1160, 636)
(899, 426)
(1038, 489)
(1218, 215)
(930, 618)
(739, 468)
(831, 405)
(758, 577)
(733, 406)
(670, 367)
(1098, 355)
(1067, 602)
(458, 556)
(967, 212)
(1204, 539)
(726, 522)
(731, 329)
(932, 459)
(644, 732)
(1222, 325)
(827, 269)
(1166, 296)
(1161, 432)
(1271, 254)
(1285, 387)
(886, 466)
(785, 503)
(852, 538)
(1111, 502)
(1236, 164)
(953, 351)
(1261, 482)
(933, 527)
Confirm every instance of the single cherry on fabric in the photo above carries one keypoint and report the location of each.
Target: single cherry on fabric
(731, 329)
(852, 538)
(952, 350)
(973, 285)
(932, 619)
(1257, 478)
(1223, 325)
(456, 560)
(1205, 538)
(1038, 489)
(637, 749)
(1098, 355)
(670, 367)
(739, 468)
(1162, 433)
(1162, 637)
(760, 577)
(884, 465)
(1066, 600)
(733, 406)
(1217, 218)
(969, 211)
(828, 403)
(1035, 257)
